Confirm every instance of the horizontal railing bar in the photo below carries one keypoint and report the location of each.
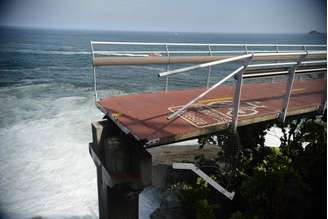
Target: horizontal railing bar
(271, 64)
(204, 65)
(290, 53)
(189, 52)
(285, 63)
(267, 74)
(204, 44)
(206, 92)
(314, 62)
(181, 70)
(310, 69)
(106, 61)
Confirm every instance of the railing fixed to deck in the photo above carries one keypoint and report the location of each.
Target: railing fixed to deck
(313, 57)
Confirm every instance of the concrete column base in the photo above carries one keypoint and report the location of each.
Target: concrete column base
(123, 171)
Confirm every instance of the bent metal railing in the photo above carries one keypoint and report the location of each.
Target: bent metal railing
(239, 75)
(129, 53)
(310, 55)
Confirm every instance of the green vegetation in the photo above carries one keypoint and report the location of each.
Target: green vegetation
(284, 182)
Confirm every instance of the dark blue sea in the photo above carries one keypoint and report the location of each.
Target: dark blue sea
(47, 105)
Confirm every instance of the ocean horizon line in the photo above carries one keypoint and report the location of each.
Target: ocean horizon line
(150, 31)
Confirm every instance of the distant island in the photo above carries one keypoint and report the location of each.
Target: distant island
(314, 32)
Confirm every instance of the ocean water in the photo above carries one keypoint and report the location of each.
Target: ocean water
(47, 105)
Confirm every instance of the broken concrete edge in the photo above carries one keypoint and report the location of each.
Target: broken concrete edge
(132, 163)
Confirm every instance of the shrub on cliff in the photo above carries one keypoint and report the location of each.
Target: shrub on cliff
(284, 182)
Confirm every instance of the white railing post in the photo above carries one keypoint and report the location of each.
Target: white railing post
(94, 72)
(166, 80)
(290, 83)
(95, 83)
(277, 51)
(167, 68)
(209, 68)
(277, 48)
(237, 96)
(246, 49)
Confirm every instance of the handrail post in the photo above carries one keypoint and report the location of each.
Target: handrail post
(277, 51)
(277, 48)
(95, 84)
(237, 96)
(94, 72)
(246, 49)
(167, 68)
(166, 80)
(209, 67)
(290, 84)
(305, 50)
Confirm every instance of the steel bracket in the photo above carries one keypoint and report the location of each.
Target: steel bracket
(208, 179)
(237, 95)
(290, 83)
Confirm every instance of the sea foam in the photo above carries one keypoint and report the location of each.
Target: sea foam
(46, 168)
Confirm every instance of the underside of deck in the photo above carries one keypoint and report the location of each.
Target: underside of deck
(144, 116)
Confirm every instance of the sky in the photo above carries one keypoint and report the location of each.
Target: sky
(230, 16)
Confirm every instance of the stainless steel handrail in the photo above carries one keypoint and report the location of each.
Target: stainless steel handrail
(203, 44)
(275, 73)
(244, 48)
(147, 52)
(94, 76)
(186, 69)
(204, 65)
(286, 64)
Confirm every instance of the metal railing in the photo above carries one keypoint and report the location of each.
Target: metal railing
(239, 75)
(129, 53)
(211, 48)
(236, 58)
(204, 176)
(210, 55)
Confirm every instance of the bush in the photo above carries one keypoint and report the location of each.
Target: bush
(285, 182)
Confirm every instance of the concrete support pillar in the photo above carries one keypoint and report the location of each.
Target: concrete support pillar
(123, 171)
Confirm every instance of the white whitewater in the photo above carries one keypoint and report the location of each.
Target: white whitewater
(46, 169)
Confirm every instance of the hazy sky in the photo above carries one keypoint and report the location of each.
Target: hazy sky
(259, 16)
